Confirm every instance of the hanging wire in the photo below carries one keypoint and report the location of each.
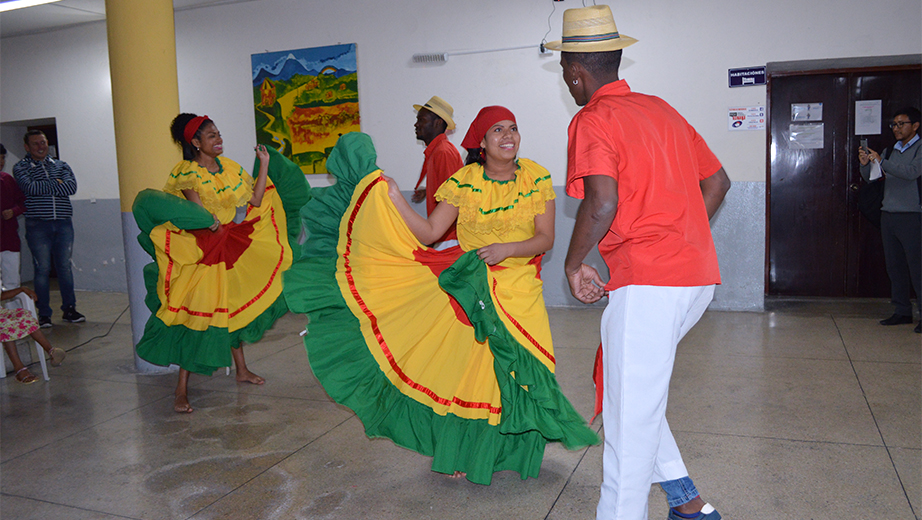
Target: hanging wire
(544, 40)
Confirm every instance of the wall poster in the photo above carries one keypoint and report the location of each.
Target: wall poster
(304, 100)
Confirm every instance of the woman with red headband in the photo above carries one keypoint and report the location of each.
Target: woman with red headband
(218, 282)
(448, 353)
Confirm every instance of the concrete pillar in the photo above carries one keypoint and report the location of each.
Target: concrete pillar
(145, 99)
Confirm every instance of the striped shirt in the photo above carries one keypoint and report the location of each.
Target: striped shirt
(48, 185)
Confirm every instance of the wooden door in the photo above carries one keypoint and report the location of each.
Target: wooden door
(818, 243)
(867, 275)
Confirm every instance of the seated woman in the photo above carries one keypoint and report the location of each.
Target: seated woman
(18, 323)
(216, 283)
(444, 352)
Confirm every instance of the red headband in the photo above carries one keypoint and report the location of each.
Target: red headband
(192, 127)
(487, 117)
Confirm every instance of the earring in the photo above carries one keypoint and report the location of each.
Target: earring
(576, 82)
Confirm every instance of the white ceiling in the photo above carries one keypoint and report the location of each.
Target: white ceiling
(50, 17)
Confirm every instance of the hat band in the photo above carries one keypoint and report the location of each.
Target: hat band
(592, 38)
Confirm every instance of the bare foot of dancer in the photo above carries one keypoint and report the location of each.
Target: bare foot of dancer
(243, 373)
(458, 474)
(245, 376)
(181, 404)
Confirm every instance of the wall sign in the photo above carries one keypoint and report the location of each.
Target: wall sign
(747, 77)
(746, 118)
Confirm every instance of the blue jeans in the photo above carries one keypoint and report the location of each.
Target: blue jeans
(51, 239)
(679, 491)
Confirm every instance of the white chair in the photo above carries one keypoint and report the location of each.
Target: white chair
(22, 301)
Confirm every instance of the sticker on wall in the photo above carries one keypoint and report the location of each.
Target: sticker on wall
(304, 100)
(746, 118)
(867, 117)
(806, 112)
(806, 136)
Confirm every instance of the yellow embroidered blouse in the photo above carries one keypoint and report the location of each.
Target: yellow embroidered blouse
(221, 192)
(491, 211)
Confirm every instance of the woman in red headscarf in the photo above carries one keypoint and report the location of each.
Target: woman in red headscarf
(217, 282)
(448, 353)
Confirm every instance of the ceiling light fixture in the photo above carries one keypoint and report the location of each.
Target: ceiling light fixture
(21, 4)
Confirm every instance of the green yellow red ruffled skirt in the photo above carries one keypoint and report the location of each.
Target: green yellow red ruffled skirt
(208, 292)
(431, 349)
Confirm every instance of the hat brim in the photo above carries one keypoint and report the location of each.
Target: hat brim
(441, 113)
(609, 45)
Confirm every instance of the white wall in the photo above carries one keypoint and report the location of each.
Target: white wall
(683, 55)
(65, 75)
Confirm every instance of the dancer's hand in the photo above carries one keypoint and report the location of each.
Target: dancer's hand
(494, 253)
(585, 284)
(262, 153)
(393, 191)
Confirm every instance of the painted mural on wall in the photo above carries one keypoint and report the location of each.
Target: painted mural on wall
(304, 100)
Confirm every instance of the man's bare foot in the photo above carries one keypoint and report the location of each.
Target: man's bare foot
(249, 377)
(181, 404)
(457, 474)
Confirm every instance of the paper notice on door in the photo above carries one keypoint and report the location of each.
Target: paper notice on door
(867, 117)
(806, 112)
(806, 136)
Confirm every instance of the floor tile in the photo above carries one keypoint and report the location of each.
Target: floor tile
(765, 334)
(866, 340)
(152, 463)
(894, 393)
(908, 463)
(811, 402)
(800, 399)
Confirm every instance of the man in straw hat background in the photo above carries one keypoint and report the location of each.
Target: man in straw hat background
(649, 185)
(442, 158)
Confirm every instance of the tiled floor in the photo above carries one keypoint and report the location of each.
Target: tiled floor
(810, 411)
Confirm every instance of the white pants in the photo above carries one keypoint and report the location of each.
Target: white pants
(641, 327)
(9, 269)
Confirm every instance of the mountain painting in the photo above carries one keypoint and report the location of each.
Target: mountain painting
(304, 100)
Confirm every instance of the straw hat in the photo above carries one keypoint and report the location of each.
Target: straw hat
(590, 29)
(441, 108)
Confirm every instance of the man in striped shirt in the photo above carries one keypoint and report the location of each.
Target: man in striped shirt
(48, 184)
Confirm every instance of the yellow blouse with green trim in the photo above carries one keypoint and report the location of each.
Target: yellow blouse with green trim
(492, 211)
(221, 192)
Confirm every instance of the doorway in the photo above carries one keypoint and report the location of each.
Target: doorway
(818, 244)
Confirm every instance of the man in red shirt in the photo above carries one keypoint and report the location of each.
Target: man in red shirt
(442, 158)
(12, 204)
(649, 185)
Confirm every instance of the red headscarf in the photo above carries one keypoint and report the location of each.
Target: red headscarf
(192, 127)
(487, 117)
